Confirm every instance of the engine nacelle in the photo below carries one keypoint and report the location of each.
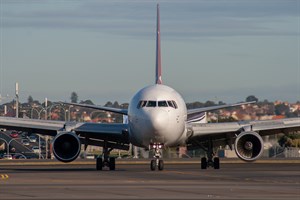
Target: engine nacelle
(249, 146)
(66, 146)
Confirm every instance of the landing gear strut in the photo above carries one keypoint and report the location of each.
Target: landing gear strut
(105, 160)
(157, 162)
(210, 161)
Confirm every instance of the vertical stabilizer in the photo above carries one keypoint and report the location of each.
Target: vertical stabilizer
(158, 53)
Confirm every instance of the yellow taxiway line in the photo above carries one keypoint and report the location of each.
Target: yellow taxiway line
(4, 176)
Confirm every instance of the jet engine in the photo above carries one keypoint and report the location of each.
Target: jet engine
(249, 146)
(66, 146)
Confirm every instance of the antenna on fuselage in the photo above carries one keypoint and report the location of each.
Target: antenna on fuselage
(158, 52)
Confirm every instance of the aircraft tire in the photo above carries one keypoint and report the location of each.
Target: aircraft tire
(161, 165)
(216, 163)
(112, 163)
(99, 164)
(153, 165)
(203, 163)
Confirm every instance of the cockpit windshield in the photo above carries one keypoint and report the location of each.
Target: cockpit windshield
(151, 104)
(169, 103)
(162, 104)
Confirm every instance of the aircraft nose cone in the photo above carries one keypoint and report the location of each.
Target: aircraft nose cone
(158, 121)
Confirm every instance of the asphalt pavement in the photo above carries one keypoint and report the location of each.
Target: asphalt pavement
(134, 180)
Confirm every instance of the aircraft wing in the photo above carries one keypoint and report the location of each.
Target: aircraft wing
(44, 127)
(225, 133)
(194, 115)
(88, 133)
(109, 109)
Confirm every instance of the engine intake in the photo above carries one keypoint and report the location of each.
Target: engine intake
(66, 147)
(249, 146)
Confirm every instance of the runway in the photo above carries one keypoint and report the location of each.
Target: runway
(179, 180)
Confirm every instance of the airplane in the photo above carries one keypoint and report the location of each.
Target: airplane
(157, 118)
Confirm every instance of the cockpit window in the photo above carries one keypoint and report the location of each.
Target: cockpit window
(162, 104)
(142, 104)
(151, 104)
(175, 104)
(170, 103)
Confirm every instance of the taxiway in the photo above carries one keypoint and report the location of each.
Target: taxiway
(179, 180)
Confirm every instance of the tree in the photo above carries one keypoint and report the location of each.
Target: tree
(116, 105)
(221, 103)
(251, 98)
(281, 109)
(30, 99)
(87, 102)
(74, 97)
(108, 104)
(209, 103)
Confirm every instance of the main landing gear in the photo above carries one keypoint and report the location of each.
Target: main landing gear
(210, 161)
(105, 160)
(215, 163)
(157, 162)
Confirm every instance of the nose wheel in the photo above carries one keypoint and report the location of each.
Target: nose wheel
(157, 162)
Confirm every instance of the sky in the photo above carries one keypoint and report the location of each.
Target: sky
(221, 50)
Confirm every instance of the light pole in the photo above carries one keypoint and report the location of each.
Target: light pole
(46, 106)
(17, 99)
(70, 112)
(39, 145)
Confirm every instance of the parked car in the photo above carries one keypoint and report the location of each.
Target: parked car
(14, 134)
(25, 142)
(90, 156)
(36, 149)
(19, 156)
(2, 129)
(7, 157)
(32, 138)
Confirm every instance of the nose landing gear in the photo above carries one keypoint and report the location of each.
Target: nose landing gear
(157, 162)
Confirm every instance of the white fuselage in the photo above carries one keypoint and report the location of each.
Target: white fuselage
(157, 114)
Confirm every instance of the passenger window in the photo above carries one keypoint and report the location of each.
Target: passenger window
(162, 104)
(151, 104)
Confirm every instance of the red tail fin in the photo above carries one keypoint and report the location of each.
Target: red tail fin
(158, 53)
